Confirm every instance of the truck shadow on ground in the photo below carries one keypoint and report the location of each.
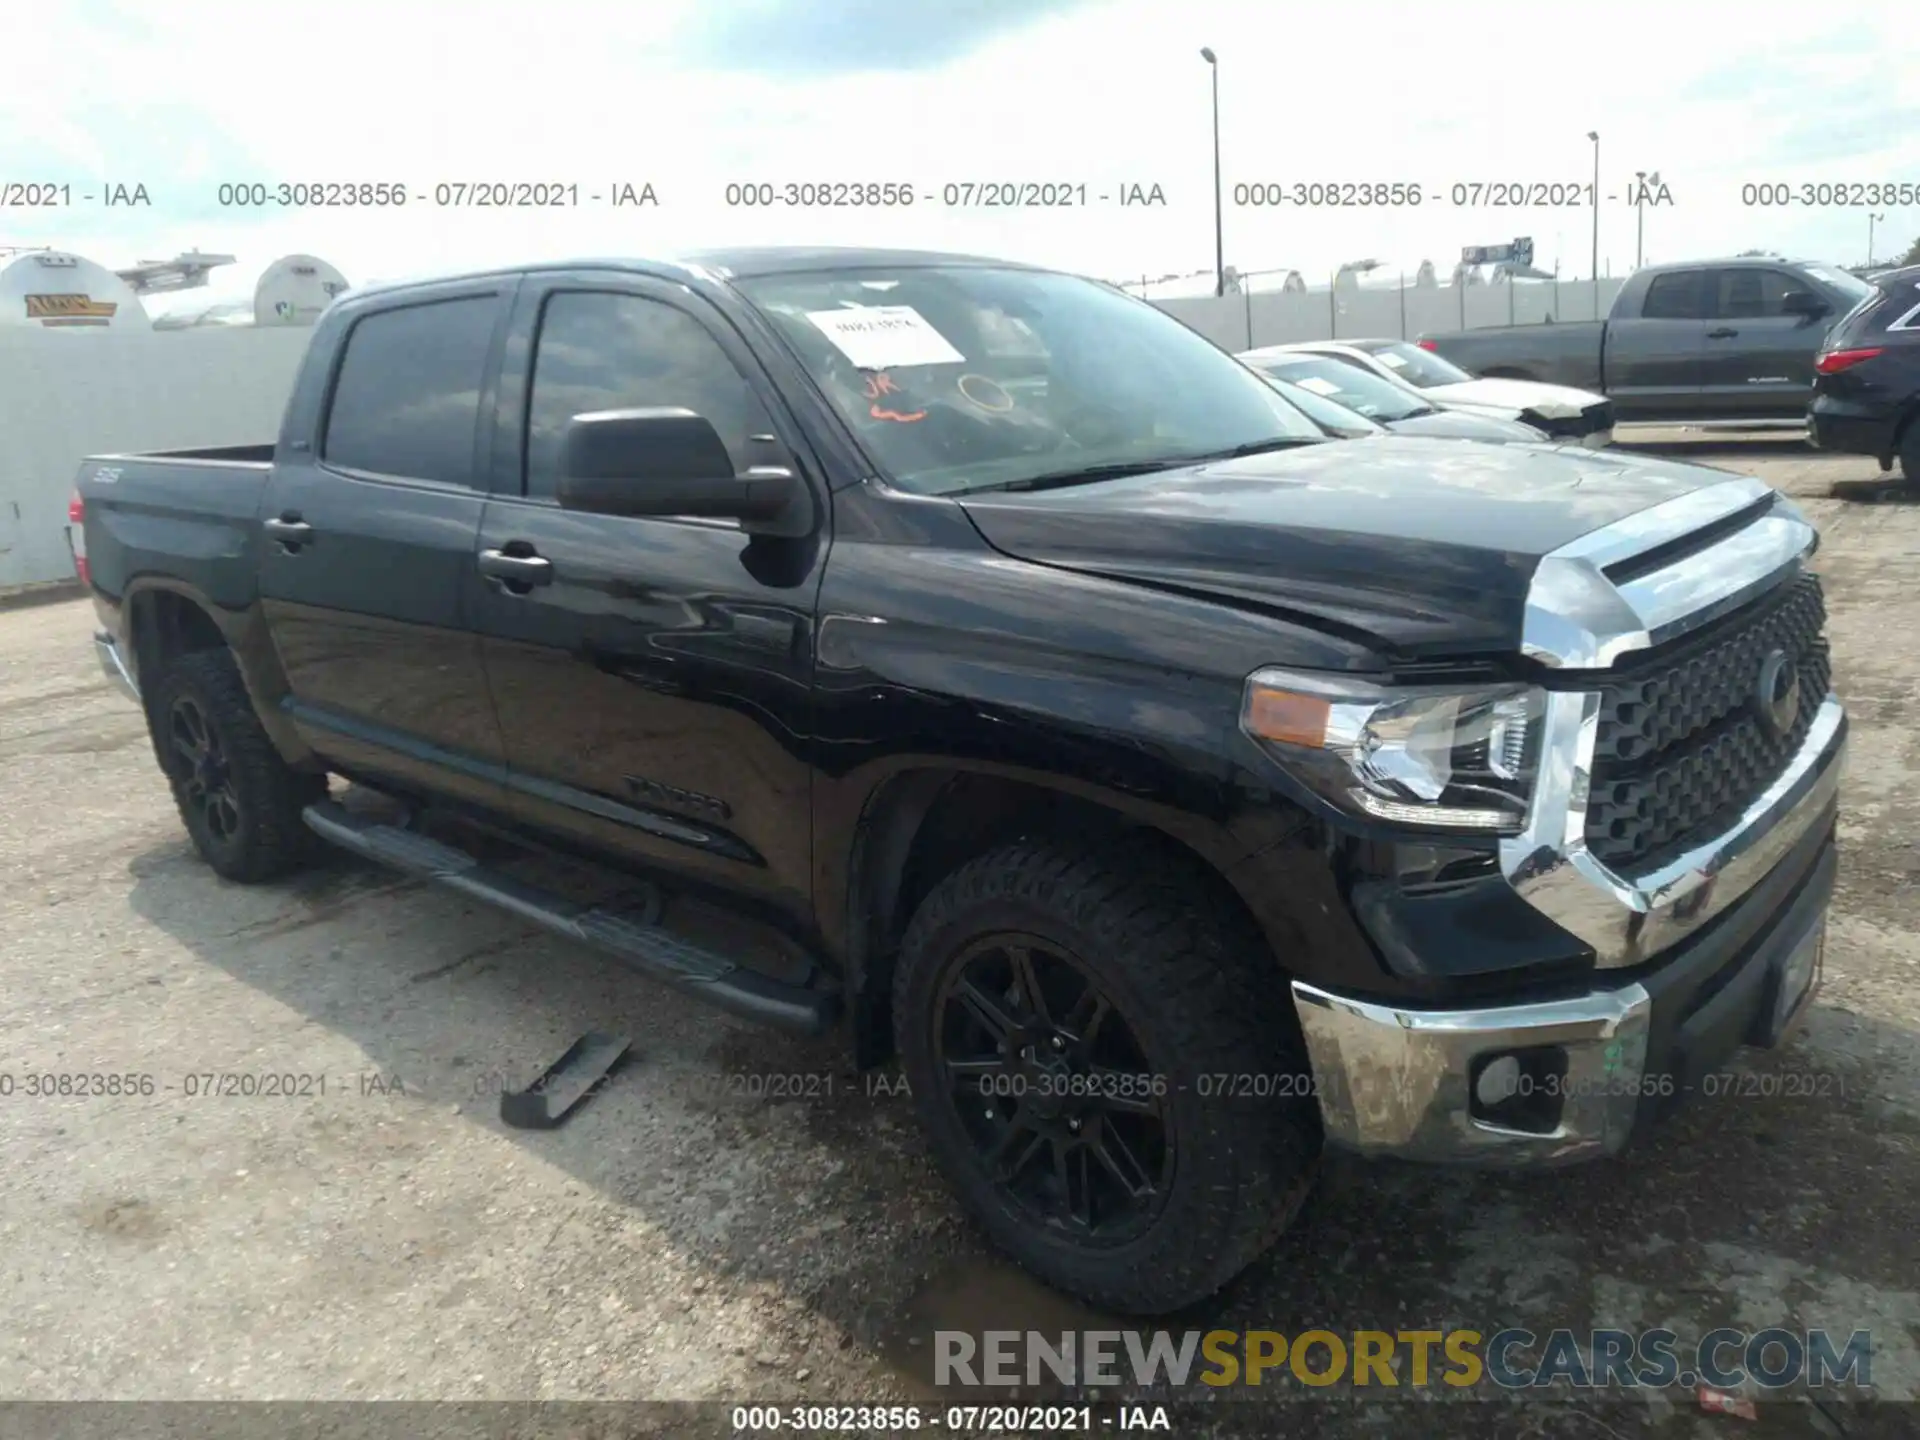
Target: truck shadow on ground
(766, 1162)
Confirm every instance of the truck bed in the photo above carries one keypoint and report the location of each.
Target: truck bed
(192, 515)
(1561, 353)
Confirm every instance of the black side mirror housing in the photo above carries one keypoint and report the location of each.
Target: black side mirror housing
(671, 461)
(1805, 303)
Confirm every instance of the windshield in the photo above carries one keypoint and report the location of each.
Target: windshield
(1326, 412)
(1851, 287)
(1356, 389)
(1412, 364)
(962, 377)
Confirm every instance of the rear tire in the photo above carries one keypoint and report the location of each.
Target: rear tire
(1910, 453)
(1202, 1004)
(239, 800)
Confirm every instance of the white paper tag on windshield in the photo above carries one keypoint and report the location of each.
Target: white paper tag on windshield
(1388, 358)
(881, 337)
(1317, 385)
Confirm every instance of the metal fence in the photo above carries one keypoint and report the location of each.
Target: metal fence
(1395, 307)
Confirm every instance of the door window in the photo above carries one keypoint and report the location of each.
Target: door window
(1752, 292)
(1677, 295)
(407, 399)
(606, 351)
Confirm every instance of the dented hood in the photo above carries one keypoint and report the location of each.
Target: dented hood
(1425, 547)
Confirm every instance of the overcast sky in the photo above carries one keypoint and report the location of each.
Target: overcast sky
(182, 95)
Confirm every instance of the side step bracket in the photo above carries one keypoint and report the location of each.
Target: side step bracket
(649, 948)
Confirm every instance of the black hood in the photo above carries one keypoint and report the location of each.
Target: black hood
(1424, 546)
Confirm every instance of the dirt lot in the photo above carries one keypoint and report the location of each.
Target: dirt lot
(686, 1239)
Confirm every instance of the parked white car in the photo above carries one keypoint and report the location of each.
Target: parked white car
(1359, 396)
(1563, 413)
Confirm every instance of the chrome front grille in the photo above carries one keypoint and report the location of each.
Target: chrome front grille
(1684, 742)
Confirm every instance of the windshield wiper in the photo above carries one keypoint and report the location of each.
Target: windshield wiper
(1121, 469)
(1085, 475)
(1252, 447)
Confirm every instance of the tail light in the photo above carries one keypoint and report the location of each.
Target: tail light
(77, 537)
(1834, 361)
(1428, 345)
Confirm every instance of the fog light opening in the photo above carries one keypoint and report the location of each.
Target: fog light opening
(1521, 1090)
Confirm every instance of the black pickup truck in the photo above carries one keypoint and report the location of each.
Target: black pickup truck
(1702, 341)
(1171, 789)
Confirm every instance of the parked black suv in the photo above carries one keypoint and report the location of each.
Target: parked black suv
(1866, 388)
(1171, 787)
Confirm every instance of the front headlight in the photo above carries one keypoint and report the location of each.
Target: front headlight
(1449, 758)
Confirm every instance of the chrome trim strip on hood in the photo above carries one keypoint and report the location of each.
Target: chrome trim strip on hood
(1579, 619)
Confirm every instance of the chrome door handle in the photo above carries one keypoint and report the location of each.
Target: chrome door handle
(289, 530)
(516, 570)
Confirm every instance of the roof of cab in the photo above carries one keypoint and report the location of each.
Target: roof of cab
(737, 263)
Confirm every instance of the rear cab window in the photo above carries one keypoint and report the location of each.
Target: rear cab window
(1676, 295)
(406, 398)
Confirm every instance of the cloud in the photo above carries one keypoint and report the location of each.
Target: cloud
(698, 96)
(840, 37)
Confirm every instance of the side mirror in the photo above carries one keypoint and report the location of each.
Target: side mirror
(1803, 302)
(672, 462)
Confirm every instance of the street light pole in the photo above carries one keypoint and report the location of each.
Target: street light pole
(1219, 222)
(1871, 217)
(1639, 216)
(1594, 136)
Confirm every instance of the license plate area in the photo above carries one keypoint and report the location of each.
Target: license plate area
(1795, 982)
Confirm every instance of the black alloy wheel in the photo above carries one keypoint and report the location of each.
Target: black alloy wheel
(1064, 1016)
(205, 772)
(239, 799)
(1053, 1087)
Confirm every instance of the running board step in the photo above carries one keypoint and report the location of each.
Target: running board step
(648, 948)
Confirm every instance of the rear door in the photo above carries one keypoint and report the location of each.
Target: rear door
(1759, 357)
(653, 684)
(1654, 362)
(370, 518)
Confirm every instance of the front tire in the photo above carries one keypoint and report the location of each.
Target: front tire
(239, 800)
(1110, 1071)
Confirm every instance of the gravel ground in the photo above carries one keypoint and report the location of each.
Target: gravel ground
(687, 1238)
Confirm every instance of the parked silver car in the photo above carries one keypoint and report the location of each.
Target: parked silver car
(1561, 412)
(1387, 404)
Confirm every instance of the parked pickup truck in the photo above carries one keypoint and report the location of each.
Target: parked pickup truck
(1701, 341)
(1171, 789)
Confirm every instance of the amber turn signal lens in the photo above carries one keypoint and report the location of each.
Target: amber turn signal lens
(1288, 718)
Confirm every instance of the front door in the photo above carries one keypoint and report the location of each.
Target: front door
(653, 678)
(1759, 355)
(369, 522)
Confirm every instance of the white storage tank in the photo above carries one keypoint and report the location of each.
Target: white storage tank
(295, 289)
(56, 290)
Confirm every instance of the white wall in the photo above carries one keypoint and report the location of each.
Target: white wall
(65, 395)
(1241, 322)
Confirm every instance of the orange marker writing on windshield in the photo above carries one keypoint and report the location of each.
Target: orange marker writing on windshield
(878, 385)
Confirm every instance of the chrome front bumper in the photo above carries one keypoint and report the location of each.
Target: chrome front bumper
(1398, 1082)
(107, 651)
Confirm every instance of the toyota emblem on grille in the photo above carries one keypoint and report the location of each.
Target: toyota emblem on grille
(1777, 696)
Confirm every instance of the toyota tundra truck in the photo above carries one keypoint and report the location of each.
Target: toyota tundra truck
(1169, 789)
(1704, 340)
